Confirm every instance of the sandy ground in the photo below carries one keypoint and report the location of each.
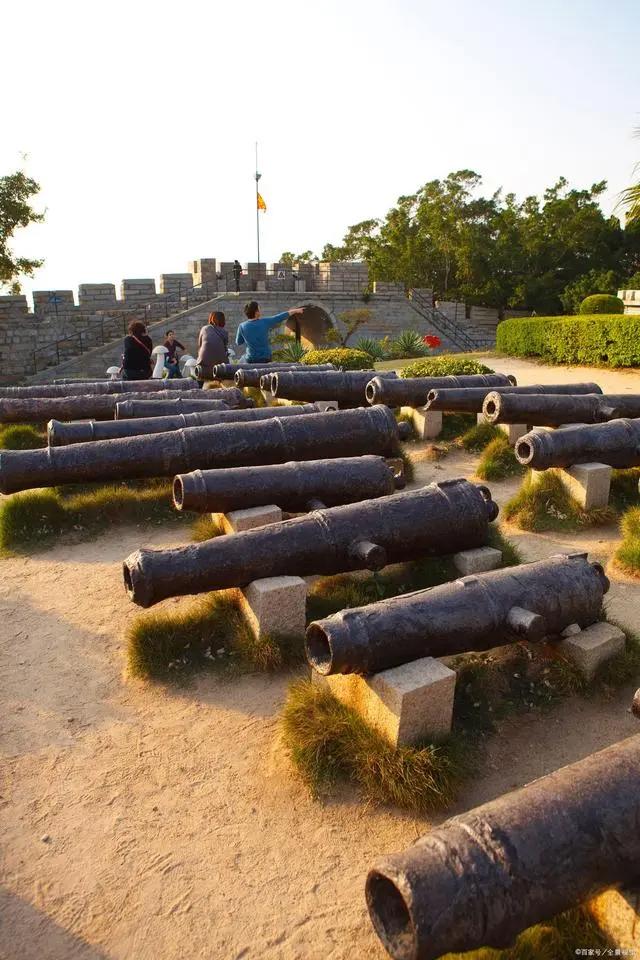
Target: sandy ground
(141, 821)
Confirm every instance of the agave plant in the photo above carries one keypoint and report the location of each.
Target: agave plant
(293, 351)
(371, 346)
(409, 344)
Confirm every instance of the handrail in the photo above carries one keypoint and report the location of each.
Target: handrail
(452, 330)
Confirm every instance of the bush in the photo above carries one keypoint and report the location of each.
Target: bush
(601, 303)
(599, 339)
(451, 366)
(292, 351)
(373, 347)
(346, 358)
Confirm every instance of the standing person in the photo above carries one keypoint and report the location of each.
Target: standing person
(254, 331)
(136, 359)
(237, 273)
(171, 359)
(213, 340)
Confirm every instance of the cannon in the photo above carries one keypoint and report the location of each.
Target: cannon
(616, 443)
(528, 602)
(470, 399)
(441, 518)
(252, 376)
(552, 410)
(227, 371)
(346, 387)
(310, 437)
(413, 391)
(296, 487)
(83, 431)
(97, 387)
(481, 878)
(200, 402)
(96, 406)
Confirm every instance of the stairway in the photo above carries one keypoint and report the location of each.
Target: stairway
(459, 337)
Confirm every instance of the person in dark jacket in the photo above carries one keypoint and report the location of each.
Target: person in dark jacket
(237, 273)
(136, 360)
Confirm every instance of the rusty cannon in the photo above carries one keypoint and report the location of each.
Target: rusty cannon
(438, 519)
(252, 376)
(528, 602)
(616, 443)
(296, 487)
(227, 371)
(306, 437)
(414, 391)
(481, 878)
(96, 387)
(95, 406)
(471, 399)
(83, 431)
(346, 387)
(200, 402)
(553, 410)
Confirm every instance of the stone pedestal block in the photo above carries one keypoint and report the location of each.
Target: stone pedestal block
(477, 561)
(426, 423)
(405, 704)
(589, 483)
(238, 520)
(480, 418)
(513, 431)
(593, 646)
(325, 406)
(617, 913)
(276, 606)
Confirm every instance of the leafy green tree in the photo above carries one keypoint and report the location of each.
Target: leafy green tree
(290, 258)
(16, 189)
(595, 281)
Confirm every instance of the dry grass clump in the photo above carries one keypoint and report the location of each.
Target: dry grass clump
(479, 436)
(627, 556)
(454, 425)
(624, 489)
(545, 503)
(206, 527)
(22, 436)
(498, 460)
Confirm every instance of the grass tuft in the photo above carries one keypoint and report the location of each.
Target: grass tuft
(479, 436)
(544, 503)
(206, 527)
(22, 436)
(624, 489)
(328, 742)
(255, 394)
(455, 424)
(498, 461)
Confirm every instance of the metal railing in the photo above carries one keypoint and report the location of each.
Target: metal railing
(449, 328)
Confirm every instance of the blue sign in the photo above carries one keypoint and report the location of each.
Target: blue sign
(55, 299)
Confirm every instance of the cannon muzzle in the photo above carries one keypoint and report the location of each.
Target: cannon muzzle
(616, 443)
(252, 376)
(413, 391)
(470, 399)
(438, 519)
(227, 371)
(553, 410)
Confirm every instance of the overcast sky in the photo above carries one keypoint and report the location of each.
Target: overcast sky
(139, 119)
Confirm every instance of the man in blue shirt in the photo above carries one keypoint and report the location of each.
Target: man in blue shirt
(254, 331)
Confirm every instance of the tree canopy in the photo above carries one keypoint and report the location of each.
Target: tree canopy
(16, 189)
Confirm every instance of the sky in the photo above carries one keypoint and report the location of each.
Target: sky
(139, 120)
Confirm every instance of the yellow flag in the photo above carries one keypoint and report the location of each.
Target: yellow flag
(261, 204)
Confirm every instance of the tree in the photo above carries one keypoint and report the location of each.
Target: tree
(595, 281)
(290, 258)
(15, 211)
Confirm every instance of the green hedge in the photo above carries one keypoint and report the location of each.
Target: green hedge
(597, 339)
(343, 357)
(443, 367)
(601, 303)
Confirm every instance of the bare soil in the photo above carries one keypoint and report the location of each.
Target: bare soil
(151, 823)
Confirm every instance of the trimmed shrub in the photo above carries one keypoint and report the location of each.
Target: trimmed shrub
(343, 357)
(598, 339)
(451, 366)
(601, 303)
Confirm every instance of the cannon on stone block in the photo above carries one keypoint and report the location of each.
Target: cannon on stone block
(553, 410)
(438, 519)
(97, 387)
(414, 391)
(227, 371)
(96, 406)
(193, 403)
(346, 387)
(481, 878)
(83, 431)
(306, 437)
(471, 399)
(252, 376)
(527, 602)
(295, 487)
(616, 443)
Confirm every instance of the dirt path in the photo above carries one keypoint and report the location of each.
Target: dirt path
(149, 822)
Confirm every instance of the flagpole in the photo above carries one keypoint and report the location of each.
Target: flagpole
(258, 175)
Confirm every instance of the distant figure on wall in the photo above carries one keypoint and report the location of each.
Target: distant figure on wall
(213, 341)
(254, 331)
(237, 273)
(136, 359)
(171, 359)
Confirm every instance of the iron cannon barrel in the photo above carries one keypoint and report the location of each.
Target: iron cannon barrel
(481, 878)
(616, 443)
(526, 602)
(251, 376)
(83, 431)
(413, 391)
(310, 437)
(470, 399)
(227, 371)
(440, 518)
(96, 387)
(346, 387)
(552, 410)
(97, 406)
(219, 399)
(292, 486)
